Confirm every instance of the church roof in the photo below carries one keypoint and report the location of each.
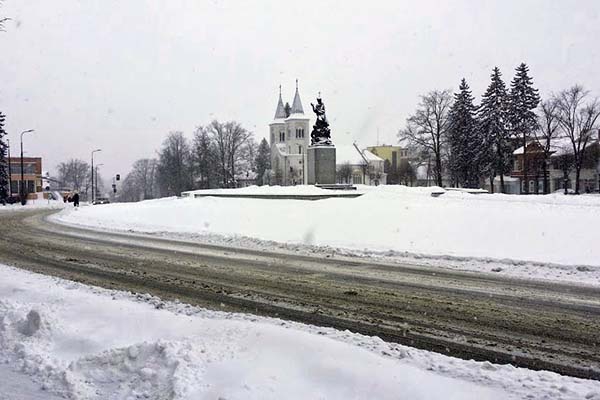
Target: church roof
(297, 104)
(297, 116)
(280, 112)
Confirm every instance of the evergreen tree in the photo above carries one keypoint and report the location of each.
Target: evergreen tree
(523, 100)
(3, 162)
(288, 109)
(492, 120)
(466, 144)
(263, 161)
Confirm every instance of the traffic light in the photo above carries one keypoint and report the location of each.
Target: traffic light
(118, 177)
(114, 188)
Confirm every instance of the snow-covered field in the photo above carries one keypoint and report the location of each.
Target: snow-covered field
(551, 237)
(59, 338)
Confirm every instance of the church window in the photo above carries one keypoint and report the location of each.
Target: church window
(282, 136)
(299, 149)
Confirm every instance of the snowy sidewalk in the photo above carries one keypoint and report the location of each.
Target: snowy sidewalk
(98, 344)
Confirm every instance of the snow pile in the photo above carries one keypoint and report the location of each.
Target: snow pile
(97, 344)
(33, 204)
(299, 190)
(553, 229)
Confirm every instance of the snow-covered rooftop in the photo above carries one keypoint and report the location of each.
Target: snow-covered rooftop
(558, 146)
(297, 116)
(349, 154)
(371, 156)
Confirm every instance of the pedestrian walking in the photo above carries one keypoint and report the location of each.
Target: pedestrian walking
(76, 199)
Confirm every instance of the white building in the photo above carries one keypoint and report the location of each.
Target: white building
(365, 168)
(289, 138)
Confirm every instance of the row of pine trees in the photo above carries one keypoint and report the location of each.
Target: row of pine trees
(481, 138)
(469, 143)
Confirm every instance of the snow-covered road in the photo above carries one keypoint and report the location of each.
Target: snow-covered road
(98, 344)
(483, 316)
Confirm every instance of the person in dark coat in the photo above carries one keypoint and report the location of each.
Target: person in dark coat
(76, 199)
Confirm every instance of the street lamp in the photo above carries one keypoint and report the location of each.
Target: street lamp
(93, 151)
(22, 192)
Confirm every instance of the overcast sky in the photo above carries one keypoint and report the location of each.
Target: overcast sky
(119, 75)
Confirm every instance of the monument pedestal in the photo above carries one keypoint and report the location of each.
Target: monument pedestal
(321, 165)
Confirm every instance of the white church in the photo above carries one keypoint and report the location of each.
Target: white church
(290, 136)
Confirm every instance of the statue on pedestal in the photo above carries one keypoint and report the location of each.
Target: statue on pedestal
(320, 135)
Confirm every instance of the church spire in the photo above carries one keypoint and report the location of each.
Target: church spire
(297, 104)
(280, 112)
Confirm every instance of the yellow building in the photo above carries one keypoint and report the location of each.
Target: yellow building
(392, 154)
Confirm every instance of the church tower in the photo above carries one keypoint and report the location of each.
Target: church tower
(289, 138)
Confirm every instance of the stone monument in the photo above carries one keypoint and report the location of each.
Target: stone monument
(321, 152)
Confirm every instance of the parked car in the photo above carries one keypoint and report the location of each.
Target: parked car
(13, 199)
(101, 200)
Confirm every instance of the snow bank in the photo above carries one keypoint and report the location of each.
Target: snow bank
(553, 229)
(33, 204)
(299, 190)
(99, 344)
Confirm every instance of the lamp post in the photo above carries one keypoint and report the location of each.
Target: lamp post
(22, 191)
(93, 151)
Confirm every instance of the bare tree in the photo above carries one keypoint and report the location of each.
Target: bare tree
(428, 127)
(174, 165)
(141, 182)
(546, 133)
(204, 157)
(229, 137)
(74, 175)
(344, 173)
(3, 20)
(578, 118)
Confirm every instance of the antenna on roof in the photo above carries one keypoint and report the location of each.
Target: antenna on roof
(280, 89)
(296, 83)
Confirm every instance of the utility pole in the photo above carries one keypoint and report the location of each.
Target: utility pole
(22, 191)
(92, 180)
